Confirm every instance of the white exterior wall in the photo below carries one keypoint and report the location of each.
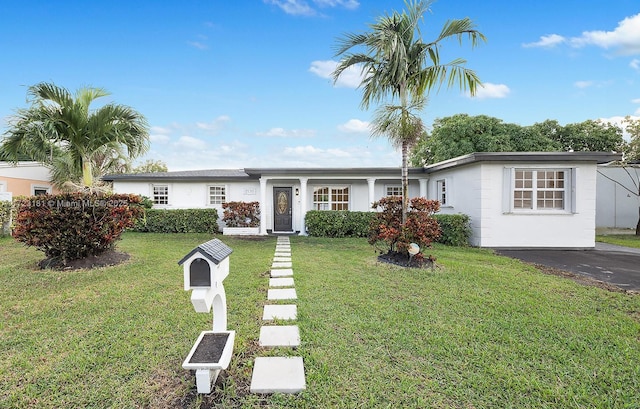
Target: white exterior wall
(478, 191)
(463, 195)
(616, 207)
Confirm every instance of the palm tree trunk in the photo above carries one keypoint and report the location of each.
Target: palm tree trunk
(405, 183)
(87, 175)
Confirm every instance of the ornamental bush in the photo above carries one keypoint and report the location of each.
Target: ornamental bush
(387, 232)
(71, 226)
(338, 223)
(178, 221)
(241, 214)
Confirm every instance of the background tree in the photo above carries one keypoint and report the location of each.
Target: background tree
(632, 126)
(590, 135)
(61, 131)
(462, 134)
(398, 66)
(151, 166)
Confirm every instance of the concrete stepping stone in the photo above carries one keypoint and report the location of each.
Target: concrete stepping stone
(282, 294)
(278, 374)
(280, 258)
(281, 264)
(279, 336)
(280, 312)
(281, 282)
(282, 272)
(283, 250)
(282, 254)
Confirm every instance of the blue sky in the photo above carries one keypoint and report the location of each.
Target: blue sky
(232, 84)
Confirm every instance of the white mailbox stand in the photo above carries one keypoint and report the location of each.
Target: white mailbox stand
(205, 267)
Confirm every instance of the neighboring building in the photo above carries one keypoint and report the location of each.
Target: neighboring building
(513, 199)
(617, 207)
(25, 179)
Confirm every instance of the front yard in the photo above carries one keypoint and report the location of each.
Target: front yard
(479, 331)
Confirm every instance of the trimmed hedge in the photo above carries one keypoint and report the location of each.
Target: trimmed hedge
(179, 221)
(455, 229)
(338, 223)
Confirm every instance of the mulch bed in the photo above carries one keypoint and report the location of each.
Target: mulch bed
(108, 258)
(402, 260)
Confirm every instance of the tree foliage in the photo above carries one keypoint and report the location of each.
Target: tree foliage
(76, 142)
(462, 134)
(151, 166)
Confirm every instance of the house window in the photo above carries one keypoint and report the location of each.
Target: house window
(441, 188)
(40, 190)
(161, 194)
(540, 189)
(331, 198)
(394, 190)
(217, 195)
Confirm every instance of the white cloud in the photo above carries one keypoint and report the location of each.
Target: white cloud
(619, 121)
(636, 101)
(625, 37)
(198, 44)
(188, 142)
(302, 7)
(160, 130)
(214, 125)
(490, 91)
(635, 64)
(355, 126)
(350, 78)
(288, 133)
(583, 84)
(159, 138)
(548, 41)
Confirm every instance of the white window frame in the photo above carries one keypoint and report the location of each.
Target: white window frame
(153, 194)
(329, 203)
(46, 188)
(394, 187)
(569, 190)
(443, 194)
(225, 195)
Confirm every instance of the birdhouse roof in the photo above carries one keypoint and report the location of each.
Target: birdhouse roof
(213, 250)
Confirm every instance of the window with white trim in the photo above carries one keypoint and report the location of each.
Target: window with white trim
(394, 190)
(541, 189)
(441, 191)
(161, 194)
(331, 198)
(217, 194)
(37, 190)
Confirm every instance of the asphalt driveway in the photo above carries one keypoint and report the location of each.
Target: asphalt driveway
(615, 265)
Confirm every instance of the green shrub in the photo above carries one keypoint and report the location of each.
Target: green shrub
(5, 216)
(70, 226)
(241, 214)
(455, 229)
(179, 221)
(338, 223)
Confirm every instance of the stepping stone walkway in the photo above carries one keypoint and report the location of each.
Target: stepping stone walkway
(279, 374)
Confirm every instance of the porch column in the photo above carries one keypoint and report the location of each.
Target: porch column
(263, 207)
(423, 187)
(372, 196)
(303, 205)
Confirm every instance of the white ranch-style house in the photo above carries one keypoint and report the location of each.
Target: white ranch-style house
(514, 200)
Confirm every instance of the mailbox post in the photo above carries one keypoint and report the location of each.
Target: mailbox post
(205, 267)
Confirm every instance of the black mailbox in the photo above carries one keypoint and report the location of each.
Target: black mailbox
(200, 273)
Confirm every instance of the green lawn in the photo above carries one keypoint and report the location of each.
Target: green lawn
(628, 240)
(480, 331)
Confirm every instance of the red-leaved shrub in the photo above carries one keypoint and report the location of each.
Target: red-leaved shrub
(241, 214)
(420, 228)
(71, 226)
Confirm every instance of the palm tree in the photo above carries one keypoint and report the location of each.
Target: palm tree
(397, 64)
(404, 129)
(61, 131)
